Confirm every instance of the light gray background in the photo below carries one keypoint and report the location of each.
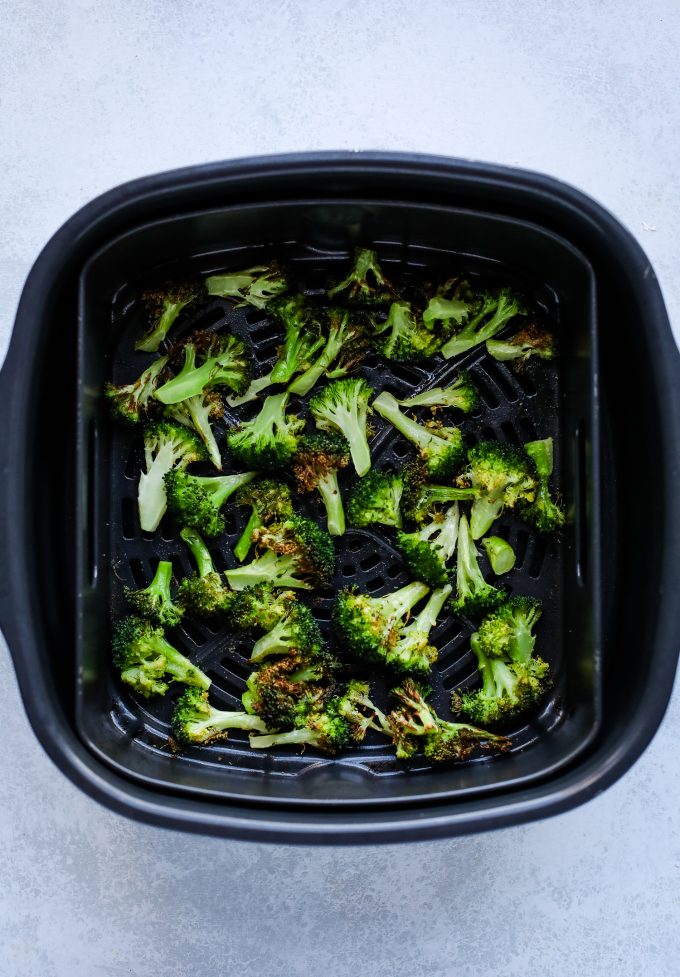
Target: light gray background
(98, 92)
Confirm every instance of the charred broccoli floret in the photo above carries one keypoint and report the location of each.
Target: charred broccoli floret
(375, 498)
(277, 691)
(317, 462)
(420, 497)
(508, 631)
(461, 394)
(163, 306)
(255, 286)
(404, 337)
(474, 596)
(195, 721)
(155, 601)
(197, 500)
(205, 592)
(441, 448)
(365, 284)
(342, 406)
(167, 447)
(544, 513)
(130, 402)
(528, 342)
(210, 360)
(345, 346)
(427, 551)
(270, 440)
(269, 501)
(298, 554)
(197, 413)
(148, 662)
(490, 315)
(503, 478)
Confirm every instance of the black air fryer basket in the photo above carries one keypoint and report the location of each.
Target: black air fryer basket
(71, 535)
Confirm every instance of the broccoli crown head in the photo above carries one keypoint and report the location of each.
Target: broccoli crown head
(276, 692)
(422, 560)
(193, 502)
(370, 627)
(181, 444)
(310, 547)
(509, 689)
(260, 607)
(544, 513)
(319, 455)
(444, 452)
(192, 711)
(155, 601)
(269, 441)
(163, 305)
(475, 599)
(268, 497)
(500, 471)
(375, 498)
(508, 631)
(205, 595)
(404, 337)
(420, 498)
(347, 396)
(144, 657)
(365, 284)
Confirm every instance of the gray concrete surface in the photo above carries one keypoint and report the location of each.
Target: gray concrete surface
(94, 92)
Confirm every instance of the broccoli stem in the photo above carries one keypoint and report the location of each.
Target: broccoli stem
(150, 341)
(388, 408)
(329, 490)
(522, 643)
(180, 667)
(190, 380)
(483, 514)
(221, 487)
(199, 551)
(306, 381)
(160, 585)
(504, 351)
(274, 642)
(399, 603)
(293, 737)
(269, 568)
(541, 453)
(471, 336)
(201, 418)
(468, 574)
(256, 386)
(151, 497)
(220, 720)
(358, 448)
(246, 538)
(427, 618)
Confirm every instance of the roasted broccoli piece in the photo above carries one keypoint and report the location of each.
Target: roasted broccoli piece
(370, 627)
(270, 440)
(204, 593)
(375, 498)
(130, 402)
(145, 658)
(365, 284)
(420, 497)
(260, 608)
(196, 500)
(253, 286)
(474, 595)
(296, 632)
(298, 554)
(489, 317)
(270, 501)
(342, 406)
(317, 462)
(197, 413)
(544, 513)
(162, 307)
(502, 476)
(528, 342)
(508, 631)
(411, 652)
(155, 601)
(500, 554)
(277, 690)
(346, 342)
(461, 394)
(427, 551)
(303, 336)
(210, 360)
(167, 446)
(404, 337)
(441, 448)
(195, 721)
(450, 306)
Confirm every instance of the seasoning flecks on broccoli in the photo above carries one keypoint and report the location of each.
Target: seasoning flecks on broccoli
(131, 402)
(421, 497)
(317, 462)
(297, 554)
(277, 691)
(518, 349)
(365, 283)
(269, 501)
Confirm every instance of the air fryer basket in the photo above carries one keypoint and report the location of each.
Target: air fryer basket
(44, 607)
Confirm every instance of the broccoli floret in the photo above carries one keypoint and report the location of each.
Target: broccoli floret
(420, 497)
(365, 284)
(345, 336)
(204, 593)
(528, 342)
(270, 440)
(404, 337)
(411, 653)
(269, 501)
(296, 632)
(145, 658)
(427, 551)
(508, 631)
(260, 607)
(441, 448)
(449, 308)
(342, 406)
(130, 402)
(163, 306)
(490, 316)
(253, 286)
(357, 709)
(461, 394)
(210, 360)
(196, 500)
(500, 554)
(298, 554)
(474, 595)
(316, 464)
(277, 691)
(303, 336)
(167, 446)
(197, 413)
(503, 478)
(195, 721)
(370, 626)
(155, 601)
(544, 513)
(375, 498)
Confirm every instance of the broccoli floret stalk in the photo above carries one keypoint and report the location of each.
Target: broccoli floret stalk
(167, 446)
(403, 337)
(474, 595)
(205, 592)
(278, 690)
(500, 554)
(130, 402)
(145, 658)
(427, 551)
(163, 306)
(197, 413)
(253, 286)
(195, 721)
(508, 631)
(296, 632)
(365, 284)
(503, 478)
(317, 462)
(494, 313)
(253, 392)
(196, 500)
(341, 333)
(412, 653)
(298, 554)
(441, 448)
(448, 309)
(269, 501)
(270, 440)
(210, 360)
(461, 394)
(370, 626)
(155, 601)
(526, 343)
(375, 498)
(420, 498)
(544, 513)
(342, 406)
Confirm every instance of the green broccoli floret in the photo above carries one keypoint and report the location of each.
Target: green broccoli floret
(488, 318)
(427, 551)
(441, 448)
(461, 394)
(167, 446)
(369, 627)
(500, 554)
(375, 498)
(270, 440)
(316, 464)
(528, 342)
(451, 305)
(403, 337)
(420, 497)
(145, 658)
(155, 601)
(130, 402)
(270, 501)
(342, 406)
(276, 691)
(298, 554)
(345, 346)
(365, 284)
(303, 336)
(503, 478)
(411, 653)
(544, 513)
(260, 608)
(508, 631)
(210, 360)
(162, 307)
(197, 413)
(474, 595)
(356, 708)
(204, 593)
(196, 500)
(296, 632)
(253, 286)
(195, 721)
